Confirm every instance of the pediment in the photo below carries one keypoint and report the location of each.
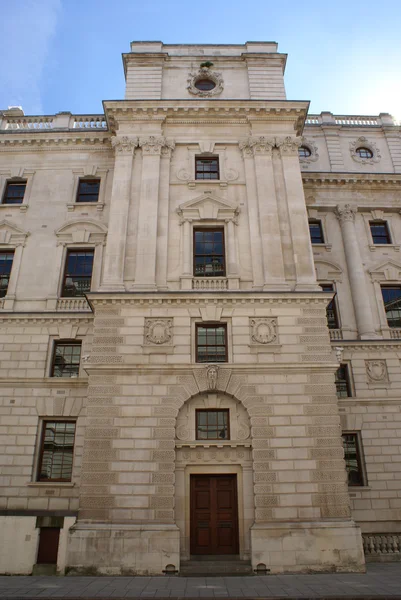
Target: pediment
(82, 231)
(11, 234)
(327, 271)
(387, 271)
(208, 206)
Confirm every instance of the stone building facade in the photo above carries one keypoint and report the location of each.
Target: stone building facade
(182, 371)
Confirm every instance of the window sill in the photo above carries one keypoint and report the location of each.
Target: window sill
(359, 488)
(76, 205)
(327, 247)
(201, 182)
(213, 444)
(374, 247)
(22, 207)
(62, 484)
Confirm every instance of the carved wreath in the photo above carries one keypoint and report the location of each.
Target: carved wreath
(158, 331)
(264, 330)
(363, 142)
(205, 73)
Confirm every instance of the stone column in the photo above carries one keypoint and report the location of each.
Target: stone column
(274, 277)
(253, 215)
(232, 262)
(163, 218)
(113, 276)
(356, 273)
(302, 248)
(146, 249)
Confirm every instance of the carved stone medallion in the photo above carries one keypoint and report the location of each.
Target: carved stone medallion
(212, 373)
(264, 330)
(203, 74)
(377, 371)
(158, 331)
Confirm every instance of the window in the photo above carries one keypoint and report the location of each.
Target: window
(209, 255)
(304, 152)
(6, 262)
(14, 192)
(212, 424)
(66, 359)
(316, 232)
(56, 451)
(331, 310)
(211, 343)
(88, 190)
(78, 273)
(205, 85)
(207, 168)
(380, 232)
(343, 385)
(392, 305)
(364, 152)
(352, 456)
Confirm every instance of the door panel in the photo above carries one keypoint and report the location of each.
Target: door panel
(48, 546)
(214, 514)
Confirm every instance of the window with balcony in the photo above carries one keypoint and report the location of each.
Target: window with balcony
(56, 451)
(78, 273)
(66, 359)
(207, 168)
(14, 192)
(6, 263)
(212, 424)
(211, 343)
(316, 231)
(380, 232)
(333, 321)
(343, 383)
(209, 253)
(88, 190)
(392, 305)
(353, 458)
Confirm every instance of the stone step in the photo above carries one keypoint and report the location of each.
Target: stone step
(215, 568)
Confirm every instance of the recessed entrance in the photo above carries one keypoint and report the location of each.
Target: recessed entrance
(214, 514)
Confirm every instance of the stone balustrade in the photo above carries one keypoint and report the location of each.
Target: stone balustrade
(327, 118)
(64, 120)
(383, 546)
(336, 334)
(72, 304)
(210, 283)
(395, 334)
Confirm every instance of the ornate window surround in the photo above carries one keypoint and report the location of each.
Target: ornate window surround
(385, 273)
(205, 149)
(212, 319)
(88, 172)
(205, 73)
(379, 215)
(15, 175)
(315, 214)
(365, 143)
(12, 238)
(313, 149)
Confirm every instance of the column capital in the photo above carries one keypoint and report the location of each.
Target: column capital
(345, 212)
(257, 145)
(124, 144)
(156, 145)
(288, 145)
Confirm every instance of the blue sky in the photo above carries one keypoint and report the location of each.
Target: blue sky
(58, 55)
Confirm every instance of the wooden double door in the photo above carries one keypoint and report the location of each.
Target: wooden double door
(214, 514)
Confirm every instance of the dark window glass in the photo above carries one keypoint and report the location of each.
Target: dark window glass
(14, 192)
(55, 461)
(207, 168)
(380, 232)
(304, 152)
(211, 343)
(212, 425)
(353, 459)
(205, 85)
(392, 305)
(343, 386)
(331, 310)
(66, 359)
(364, 152)
(88, 190)
(316, 232)
(209, 255)
(78, 273)
(6, 262)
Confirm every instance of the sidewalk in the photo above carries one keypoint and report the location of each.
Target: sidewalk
(380, 581)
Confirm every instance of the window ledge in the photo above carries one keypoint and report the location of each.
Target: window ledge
(195, 182)
(374, 247)
(212, 444)
(62, 484)
(75, 205)
(327, 247)
(359, 488)
(22, 207)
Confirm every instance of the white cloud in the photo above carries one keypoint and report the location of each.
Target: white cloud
(28, 29)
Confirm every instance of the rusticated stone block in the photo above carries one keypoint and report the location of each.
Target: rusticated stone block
(107, 310)
(328, 475)
(99, 422)
(99, 401)
(331, 488)
(104, 390)
(107, 330)
(163, 477)
(332, 399)
(315, 409)
(98, 514)
(264, 454)
(95, 490)
(259, 421)
(263, 466)
(320, 378)
(320, 389)
(107, 359)
(163, 432)
(103, 379)
(109, 322)
(316, 357)
(102, 432)
(102, 478)
(327, 420)
(262, 432)
(265, 501)
(165, 490)
(308, 321)
(104, 350)
(164, 411)
(336, 452)
(260, 444)
(234, 383)
(111, 340)
(322, 499)
(97, 502)
(263, 489)
(109, 454)
(162, 502)
(166, 466)
(163, 455)
(330, 464)
(314, 339)
(166, 444)
(164, 515)
(313, 311)
(95, 466)
(341, 510)
(257, 406)
(107, 411)
(100, 444)
(167, 422)
(265, 477)
(188, 381)
(263, 514)
(316, 431)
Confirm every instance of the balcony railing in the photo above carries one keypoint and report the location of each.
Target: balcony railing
(336, 334)
(383, 545)
(65, 121)
(395, 334)
(209, 283)
(71, 304)
(327, 118)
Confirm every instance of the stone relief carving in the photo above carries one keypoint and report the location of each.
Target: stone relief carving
(154, 145)
(313, 149)
(339, 353)
(377, 371)
(363, 142)
(264, 330)
(288, 145)
(158, 332)
(205, 73)
(124, 144)
(345, 212)
(212, 373)
(263, 145)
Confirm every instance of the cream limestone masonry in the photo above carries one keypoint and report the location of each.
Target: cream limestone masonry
(128, 508)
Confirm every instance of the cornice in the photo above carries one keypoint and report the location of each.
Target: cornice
(359, 179)
(45, 318)
(44, 382)
(368, 345)
(43, 140)
(205, 111)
